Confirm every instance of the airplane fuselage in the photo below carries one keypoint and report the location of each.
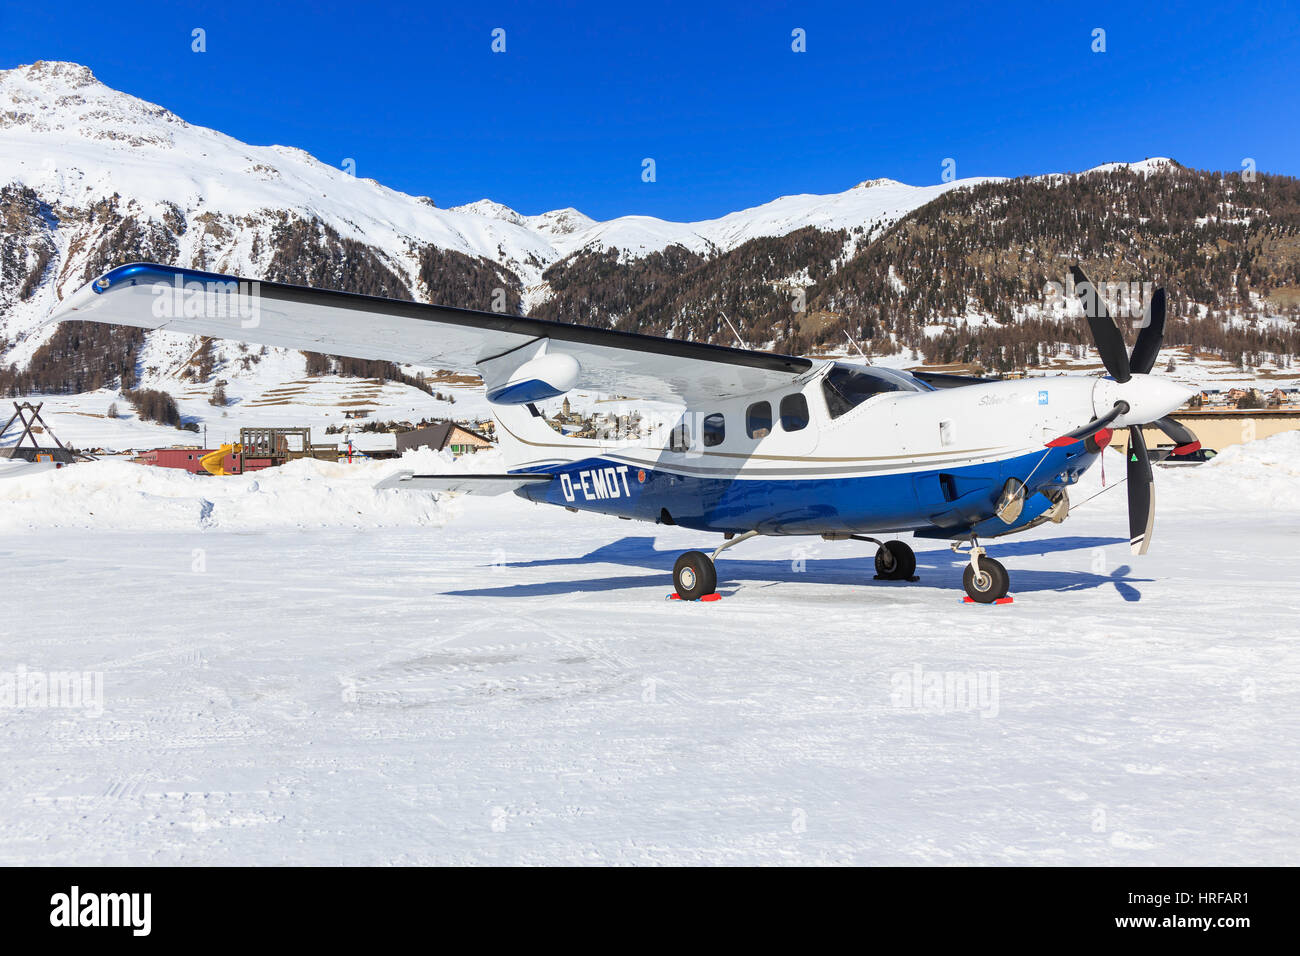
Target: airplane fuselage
(809, 460)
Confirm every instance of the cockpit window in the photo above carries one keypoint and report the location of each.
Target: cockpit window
(846, 387)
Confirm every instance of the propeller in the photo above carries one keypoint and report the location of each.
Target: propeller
(1184, 439)
(1150, 336)
(1122, 365)
(1141, 492)
(1105, 333)
(1094, 429)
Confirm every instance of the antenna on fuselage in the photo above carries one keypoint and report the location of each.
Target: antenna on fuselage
(739, 340)
(856, 346)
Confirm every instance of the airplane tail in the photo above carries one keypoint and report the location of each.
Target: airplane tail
(528, 443)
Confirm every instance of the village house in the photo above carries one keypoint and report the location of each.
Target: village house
(457, 439)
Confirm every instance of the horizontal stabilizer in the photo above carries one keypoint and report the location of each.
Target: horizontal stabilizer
(466, 484)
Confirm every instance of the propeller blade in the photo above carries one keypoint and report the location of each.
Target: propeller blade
(1141, 493)
(1105, 333)
(1092, 428)
(1182, 436)
(1151, 336)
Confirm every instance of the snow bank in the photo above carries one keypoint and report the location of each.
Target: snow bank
(1257, 475)
(1275, 456)
(122, 495)
(1262, 475)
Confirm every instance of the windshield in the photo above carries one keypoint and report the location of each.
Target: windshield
(848, 386)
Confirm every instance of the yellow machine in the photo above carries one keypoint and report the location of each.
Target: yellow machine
(214, 463)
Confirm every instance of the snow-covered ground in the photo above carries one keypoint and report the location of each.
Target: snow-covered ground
(295, 670)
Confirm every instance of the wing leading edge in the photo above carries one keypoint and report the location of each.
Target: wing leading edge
(151, 296)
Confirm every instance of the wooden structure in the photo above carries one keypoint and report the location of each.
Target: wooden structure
(258, 448)
(30, 416)
(279, 445)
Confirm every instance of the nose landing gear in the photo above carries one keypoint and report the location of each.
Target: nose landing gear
(984, 579)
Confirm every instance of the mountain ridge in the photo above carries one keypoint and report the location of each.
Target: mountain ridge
(91, 177)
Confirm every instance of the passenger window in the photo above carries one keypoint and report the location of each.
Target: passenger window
(680, 437)
(715, 429)
(794, 412)
(758, 420)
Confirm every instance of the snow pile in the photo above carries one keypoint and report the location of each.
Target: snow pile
(1261, 474)
(122, 495)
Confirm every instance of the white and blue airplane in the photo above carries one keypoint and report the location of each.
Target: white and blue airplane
(768, 444)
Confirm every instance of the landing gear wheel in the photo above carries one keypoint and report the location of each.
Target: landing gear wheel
(895, 561)
(990, 584)
(694, 576)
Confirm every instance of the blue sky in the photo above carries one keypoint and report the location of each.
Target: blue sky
(712, 92)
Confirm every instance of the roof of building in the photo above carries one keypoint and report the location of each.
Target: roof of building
(436, 436)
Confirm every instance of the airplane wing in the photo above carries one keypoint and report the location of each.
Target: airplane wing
(152, 296)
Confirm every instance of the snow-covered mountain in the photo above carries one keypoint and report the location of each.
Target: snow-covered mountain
(91, 177)
(75, 141)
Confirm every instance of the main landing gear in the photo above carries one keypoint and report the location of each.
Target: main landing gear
(695, 576)
(895, 560)
(984, 579)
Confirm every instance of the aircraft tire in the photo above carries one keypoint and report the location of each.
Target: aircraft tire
(694, 576)
(993, 584)
(895, 561)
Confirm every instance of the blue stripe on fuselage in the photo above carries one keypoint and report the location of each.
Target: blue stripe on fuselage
(906, 500)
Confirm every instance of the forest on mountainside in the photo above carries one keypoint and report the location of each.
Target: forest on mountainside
(963, 279)
(1211, 239)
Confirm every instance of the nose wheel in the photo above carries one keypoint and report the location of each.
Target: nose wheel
(984, 579)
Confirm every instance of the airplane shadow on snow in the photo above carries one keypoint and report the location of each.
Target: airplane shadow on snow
(936, 565)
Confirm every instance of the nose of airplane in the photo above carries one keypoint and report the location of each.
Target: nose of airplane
(1148, 397)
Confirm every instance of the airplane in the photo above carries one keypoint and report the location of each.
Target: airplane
(768, 444)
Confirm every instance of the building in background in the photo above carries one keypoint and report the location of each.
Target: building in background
(448, 436)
